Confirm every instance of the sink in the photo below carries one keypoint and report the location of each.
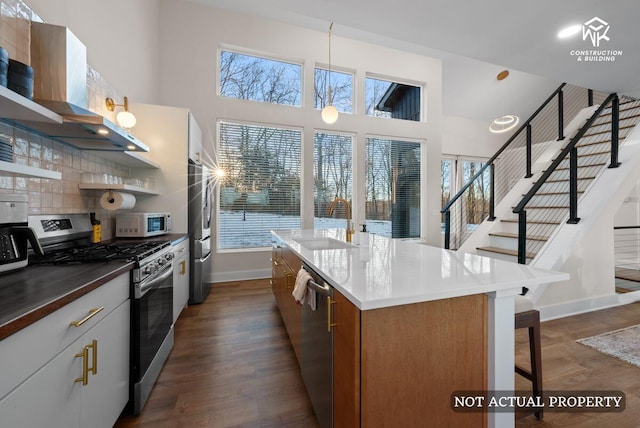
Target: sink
(323, 243)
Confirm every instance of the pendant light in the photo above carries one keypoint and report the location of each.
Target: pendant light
(506, 122)
(329, 113)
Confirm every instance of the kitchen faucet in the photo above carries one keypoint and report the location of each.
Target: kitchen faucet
(349, 230)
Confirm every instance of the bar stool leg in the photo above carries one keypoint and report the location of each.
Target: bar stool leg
(531, 321)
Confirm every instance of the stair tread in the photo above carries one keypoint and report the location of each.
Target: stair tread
(560, 180)
(607, 131)
(504, 251)
(633, 116)
(544, 207)
(553, 193)
(608, 109)
(515, 220)
(582, 166)
(515, 236)
(628, 274)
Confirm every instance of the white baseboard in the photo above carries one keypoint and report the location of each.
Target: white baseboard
(562, 310)
(243, 275)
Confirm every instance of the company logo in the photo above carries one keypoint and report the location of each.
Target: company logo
(596, 30)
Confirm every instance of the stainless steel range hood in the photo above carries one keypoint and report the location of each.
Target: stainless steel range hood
(59, 60)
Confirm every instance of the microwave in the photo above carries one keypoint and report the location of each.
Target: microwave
(142, 225)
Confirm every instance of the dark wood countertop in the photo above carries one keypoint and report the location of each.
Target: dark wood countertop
(175, 238)
(34, 292)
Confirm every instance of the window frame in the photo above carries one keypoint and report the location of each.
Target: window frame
(422, 168)
(263, 55)
(218, 189)
(421, 85)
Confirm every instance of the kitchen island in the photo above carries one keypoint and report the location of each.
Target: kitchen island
(412, 324)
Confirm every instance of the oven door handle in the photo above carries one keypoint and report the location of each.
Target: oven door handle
(153, 282)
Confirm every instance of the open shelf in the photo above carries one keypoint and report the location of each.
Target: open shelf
(16, 107)
(129, 159)
(29, 171)
(119, 187)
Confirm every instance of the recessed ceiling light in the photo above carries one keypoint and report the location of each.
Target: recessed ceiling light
(103, 131)
(569, 31)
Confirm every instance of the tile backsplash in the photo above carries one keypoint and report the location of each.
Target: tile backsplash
(53, 196)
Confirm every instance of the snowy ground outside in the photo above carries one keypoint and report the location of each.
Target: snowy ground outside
(250, 230)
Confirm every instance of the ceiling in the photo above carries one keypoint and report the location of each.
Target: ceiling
(518, 35)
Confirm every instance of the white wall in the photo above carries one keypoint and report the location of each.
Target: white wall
(191, 36)
(468, 137)
(121, 37)
(629, 212)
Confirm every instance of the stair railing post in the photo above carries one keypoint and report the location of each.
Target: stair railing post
(447, 229)
(573, 186)
(492, 192)
(560, 115)
(615, 127)
(522, 237)
(529, 174)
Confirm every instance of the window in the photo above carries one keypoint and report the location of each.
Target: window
(254, 78)
(456, 172)
(447, 180)
(261, 187)
(392, 99)
(477, 196)
(332, 173)
(393, 187)
(341, 89)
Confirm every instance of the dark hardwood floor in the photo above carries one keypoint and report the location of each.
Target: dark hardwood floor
(233, 366)
(570, 366)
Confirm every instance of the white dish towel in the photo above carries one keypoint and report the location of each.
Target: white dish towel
(300, 289)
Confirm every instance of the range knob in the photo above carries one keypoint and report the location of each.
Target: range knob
(161, 261)
(169, 256)
(149, 269)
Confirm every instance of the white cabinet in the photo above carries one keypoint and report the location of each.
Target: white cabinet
(84, 383)
(171, 133)
(180, 277)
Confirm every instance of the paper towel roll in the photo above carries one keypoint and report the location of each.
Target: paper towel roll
(117, 201)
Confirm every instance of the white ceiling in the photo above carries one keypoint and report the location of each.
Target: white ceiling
(489, 35)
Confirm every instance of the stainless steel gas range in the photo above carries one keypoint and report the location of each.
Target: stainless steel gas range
(66, 239)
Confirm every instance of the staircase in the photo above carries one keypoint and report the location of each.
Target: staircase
(548, 204)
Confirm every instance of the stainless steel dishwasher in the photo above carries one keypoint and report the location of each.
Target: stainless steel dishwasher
(317, 349)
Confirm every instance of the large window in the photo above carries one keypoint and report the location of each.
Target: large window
(332, 172)
(260, 190)
(393, 187)
(456, 172)
(385, 98)
(255, 78)
(341, 90)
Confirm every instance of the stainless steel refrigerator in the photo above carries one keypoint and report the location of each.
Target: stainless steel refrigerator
(199, 224)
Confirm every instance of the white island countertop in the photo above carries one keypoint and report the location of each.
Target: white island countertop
(390, 272)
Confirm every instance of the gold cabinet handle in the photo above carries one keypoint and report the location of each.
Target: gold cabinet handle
(288, 275)
(85, 365)
(275, 263)
(183, 267)
(271, 282)
(329, 324)
(92, 313)
(85, 362)
(94, 360)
